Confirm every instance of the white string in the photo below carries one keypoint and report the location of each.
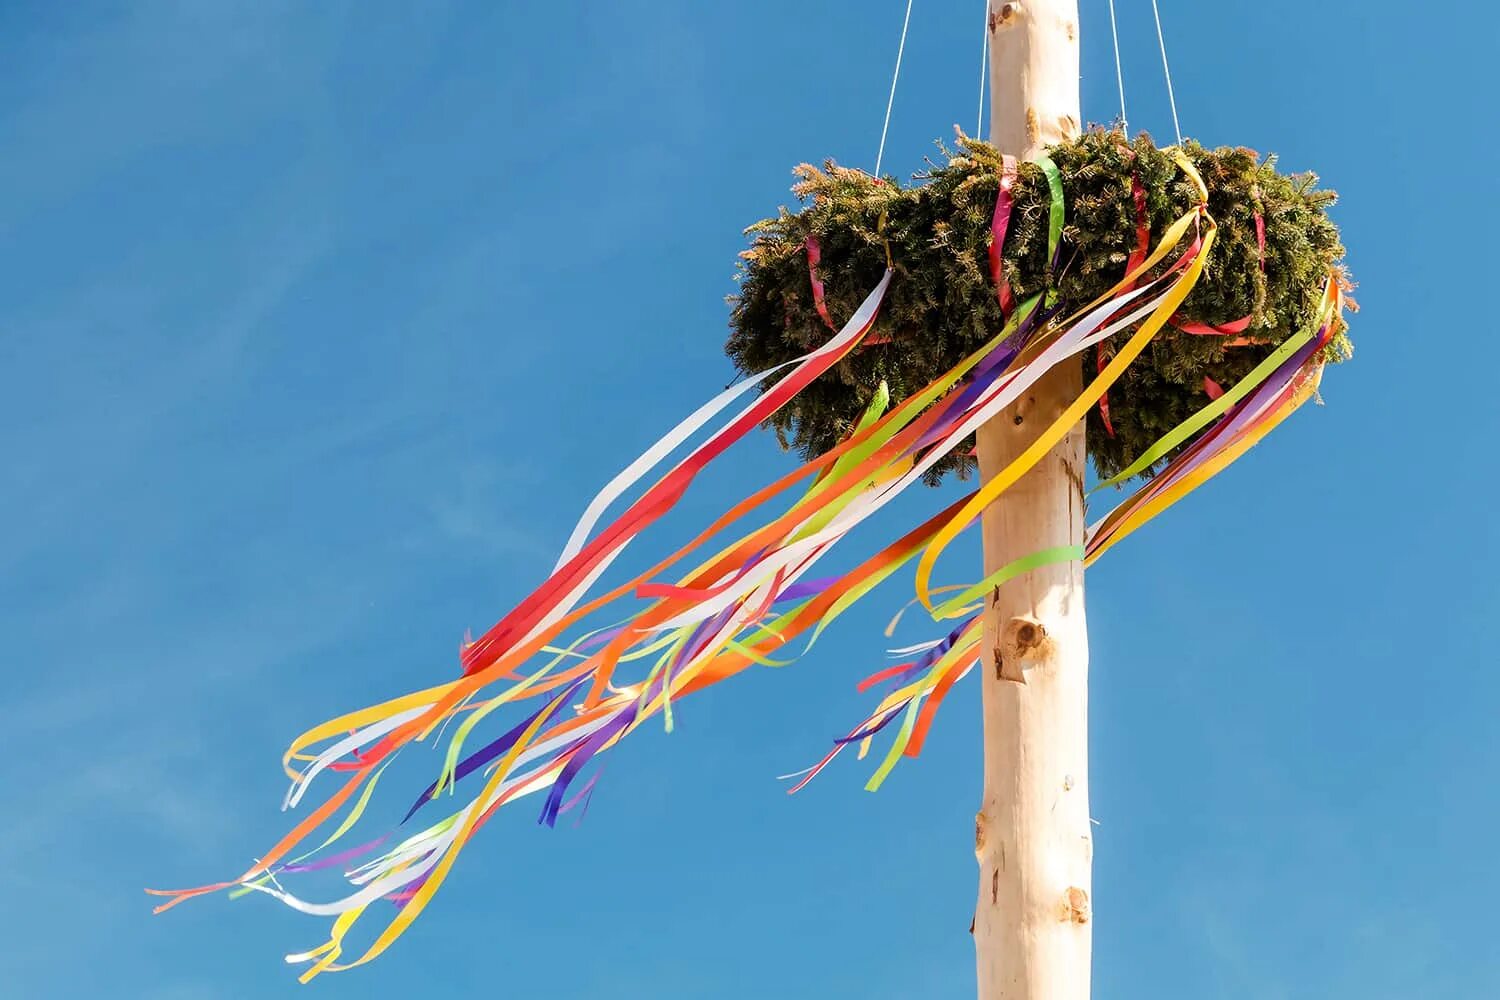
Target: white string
(1119, 74)
(984, 66)
(1167, 70)
(891, 101)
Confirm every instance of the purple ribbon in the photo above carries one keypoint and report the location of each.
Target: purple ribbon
(334, 859)
(592, 745)
(491, 751)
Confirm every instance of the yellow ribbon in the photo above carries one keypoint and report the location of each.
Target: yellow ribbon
(1078, 409)
(1208, 469)
(419, 900)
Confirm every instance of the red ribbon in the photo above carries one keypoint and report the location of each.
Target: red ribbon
(1142, 225)
(1004, 202)
(647, 509)
(814, 258)
(1204, 330)
(1137, 257)
(1242, 324)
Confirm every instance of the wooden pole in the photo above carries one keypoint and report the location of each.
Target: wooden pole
(1032, 926)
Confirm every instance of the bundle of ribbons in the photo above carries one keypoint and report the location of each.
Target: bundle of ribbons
(576, 688)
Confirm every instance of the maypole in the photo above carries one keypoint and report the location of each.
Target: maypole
(1032, 929)
(882, 328)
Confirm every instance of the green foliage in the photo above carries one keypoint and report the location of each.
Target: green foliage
(942, 304)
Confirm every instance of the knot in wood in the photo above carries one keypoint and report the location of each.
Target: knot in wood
(1076, 906)
(1005, 15)
(1023, 643)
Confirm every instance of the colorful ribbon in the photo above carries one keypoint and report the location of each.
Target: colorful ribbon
(755, 596)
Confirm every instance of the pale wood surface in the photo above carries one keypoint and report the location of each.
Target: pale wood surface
(1033, 837)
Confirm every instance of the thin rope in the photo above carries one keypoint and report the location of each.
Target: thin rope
(1119, 74)
(1172, 97)
(984, 66)
(891, 101)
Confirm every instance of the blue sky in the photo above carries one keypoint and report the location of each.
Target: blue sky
(319, 323)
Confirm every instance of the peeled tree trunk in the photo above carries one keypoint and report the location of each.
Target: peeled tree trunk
(1033, 839)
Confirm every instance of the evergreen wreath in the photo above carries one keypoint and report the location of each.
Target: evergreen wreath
(942, 303)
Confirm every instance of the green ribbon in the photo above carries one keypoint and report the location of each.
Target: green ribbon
(1056, 215)
(894, 754)
(954, 606)
(1212, 411)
